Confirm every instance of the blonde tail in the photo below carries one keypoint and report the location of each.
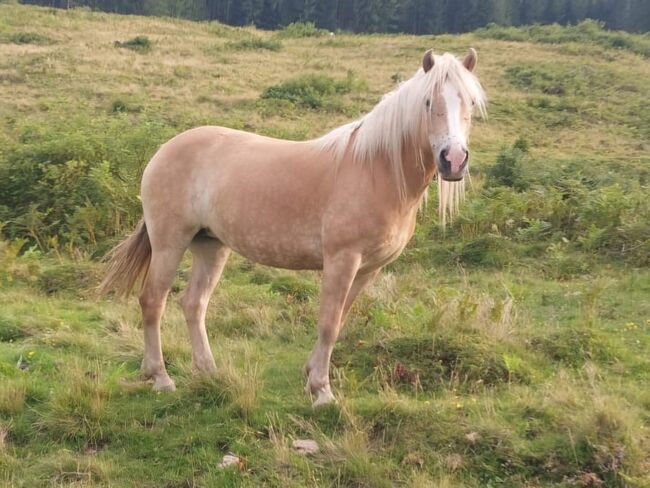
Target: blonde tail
(127, 262)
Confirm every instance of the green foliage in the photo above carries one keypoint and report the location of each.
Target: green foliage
(10, 331)
(256, 43)
(28, 38)
(509, 166)
(587, 31)
(122, 106)
(573, 347)
(313, 91)
(413, 16)
(79, 278)
(296, 30)
(140, 44)
(73, 184)
(294, 287)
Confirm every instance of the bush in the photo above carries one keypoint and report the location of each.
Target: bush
(508, 170)
(74, 183)
(10, 331)
(486, 250)
(73, 277)
(28, 38)
(313, 91)
(587, 31)
(256, 43)
(122, 106)
(302, 29)
(140, 44)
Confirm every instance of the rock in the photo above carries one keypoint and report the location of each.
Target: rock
(22, 364)
(473, 437)
(232, 460)
(305, 446)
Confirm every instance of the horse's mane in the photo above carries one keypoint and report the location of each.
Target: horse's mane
(397, 120)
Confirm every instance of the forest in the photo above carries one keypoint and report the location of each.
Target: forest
(408, 16)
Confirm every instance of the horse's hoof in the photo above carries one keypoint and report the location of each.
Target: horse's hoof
(164, 383)
(324, 396)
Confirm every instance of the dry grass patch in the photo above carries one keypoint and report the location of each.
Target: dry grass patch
(12, 396)
(238, 386)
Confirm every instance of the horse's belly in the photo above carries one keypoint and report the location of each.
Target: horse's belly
(296, 252)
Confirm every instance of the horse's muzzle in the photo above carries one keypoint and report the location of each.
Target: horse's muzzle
(452, 165)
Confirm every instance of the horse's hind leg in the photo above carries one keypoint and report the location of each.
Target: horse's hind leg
(162, 271)
(209, 257)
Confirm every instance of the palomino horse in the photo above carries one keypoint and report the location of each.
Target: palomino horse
(345, 204)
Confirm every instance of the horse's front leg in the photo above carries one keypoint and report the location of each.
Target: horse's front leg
(338, 274)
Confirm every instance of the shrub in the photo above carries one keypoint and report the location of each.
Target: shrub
(72, 277)
(122, 106)
(256, 43)
(9, 331)
(140, 44)
(508, 168)
(313, 91)
(28, 38)
(72, 184)
(587, 31)
(486, 250)
(302, 29)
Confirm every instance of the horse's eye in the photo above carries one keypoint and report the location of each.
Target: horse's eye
(428, 103)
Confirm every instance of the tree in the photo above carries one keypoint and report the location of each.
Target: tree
(269, 17)
(325, 14)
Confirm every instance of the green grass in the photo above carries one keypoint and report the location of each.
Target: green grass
(512, 349)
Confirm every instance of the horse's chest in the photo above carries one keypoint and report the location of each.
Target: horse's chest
(389, 244)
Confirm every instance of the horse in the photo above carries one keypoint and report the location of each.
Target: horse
(344, 204)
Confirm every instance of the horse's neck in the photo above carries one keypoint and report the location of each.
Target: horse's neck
(418, 167)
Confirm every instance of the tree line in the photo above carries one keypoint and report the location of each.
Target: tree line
(408, 16)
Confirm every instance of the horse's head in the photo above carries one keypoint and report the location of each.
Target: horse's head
(449, 108)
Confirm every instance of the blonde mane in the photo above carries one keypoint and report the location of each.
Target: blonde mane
(398, 120)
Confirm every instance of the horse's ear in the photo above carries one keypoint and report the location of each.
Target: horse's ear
(471, 59)
(427, 61)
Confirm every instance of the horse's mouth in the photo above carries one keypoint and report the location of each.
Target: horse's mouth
(460, 178)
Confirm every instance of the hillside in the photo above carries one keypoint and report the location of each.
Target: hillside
(512, 349)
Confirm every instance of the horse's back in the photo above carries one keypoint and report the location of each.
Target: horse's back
(261, 196)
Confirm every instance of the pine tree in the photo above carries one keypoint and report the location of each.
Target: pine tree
(325, 14)
(269, 16)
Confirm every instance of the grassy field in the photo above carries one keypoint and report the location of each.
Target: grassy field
(513, 349)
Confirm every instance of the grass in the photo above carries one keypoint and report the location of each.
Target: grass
(512, 350)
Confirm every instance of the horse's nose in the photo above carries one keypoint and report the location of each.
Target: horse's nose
(456, 157)
(452, 162)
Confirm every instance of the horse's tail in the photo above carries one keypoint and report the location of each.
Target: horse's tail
(127, 262)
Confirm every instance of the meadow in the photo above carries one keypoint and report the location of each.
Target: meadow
(510, 349)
